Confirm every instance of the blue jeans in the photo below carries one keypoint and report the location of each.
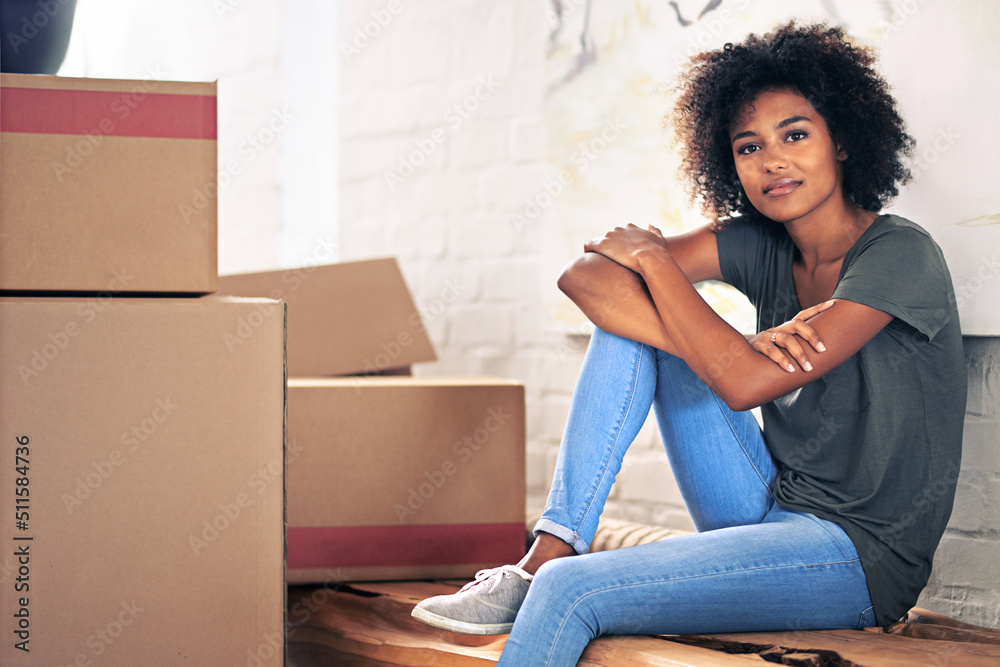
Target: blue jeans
(753, 566)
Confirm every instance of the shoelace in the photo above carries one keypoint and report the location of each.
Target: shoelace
(488, 577)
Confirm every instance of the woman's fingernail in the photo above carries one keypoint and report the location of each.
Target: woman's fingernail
(791, 369)
(808, 366)
(821, 347)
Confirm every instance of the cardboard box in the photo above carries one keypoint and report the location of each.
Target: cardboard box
(141, 470)
(343, 319)
(404, 478)
(107, 186)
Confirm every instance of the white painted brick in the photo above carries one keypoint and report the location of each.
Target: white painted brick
(638, 513)
(491, 49)
(676, 518)
(368, 156)
(979, 444)
(378, 111)
(478, 143)
(532, 30)
(362, 239)
(365, 44)
(647, 477)
(497, 188)
(566, 354)
(449, 191)
(511, 280)
(536, 502)
(413, 238)
(528, 137)
(555, 409)
(649, 436)
(530, 321)
(474, 326)
(444, 284)
(969, 511)
(485, 235)
(250, 243)
(965, 561)
(538, 474)
(515, 95)
(357, 196)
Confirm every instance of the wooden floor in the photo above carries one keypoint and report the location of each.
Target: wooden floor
(370, 624)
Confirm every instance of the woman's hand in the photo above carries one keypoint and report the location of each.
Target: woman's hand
(780, 343)
(622, 244)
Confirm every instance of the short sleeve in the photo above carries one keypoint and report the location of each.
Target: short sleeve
(901, 271)
(742, 249)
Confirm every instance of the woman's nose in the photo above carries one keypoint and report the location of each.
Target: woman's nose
(773, 160)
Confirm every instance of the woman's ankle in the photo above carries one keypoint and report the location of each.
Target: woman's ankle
(546, 547)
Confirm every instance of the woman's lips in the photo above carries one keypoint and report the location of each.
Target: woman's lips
(781, 187)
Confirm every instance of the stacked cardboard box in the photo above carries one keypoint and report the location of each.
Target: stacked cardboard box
(107, 186)
(388, 477)
(141, 439)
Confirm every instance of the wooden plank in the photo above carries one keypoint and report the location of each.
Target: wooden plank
(370, 624)
(861, 648)
(642, 650)
(345, 628)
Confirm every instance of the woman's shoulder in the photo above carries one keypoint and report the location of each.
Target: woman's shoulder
(891, 232)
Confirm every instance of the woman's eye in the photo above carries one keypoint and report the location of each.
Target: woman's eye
(746, 149)
(796, 135)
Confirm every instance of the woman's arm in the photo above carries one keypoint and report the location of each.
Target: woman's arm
(617, 300)
(715, 351)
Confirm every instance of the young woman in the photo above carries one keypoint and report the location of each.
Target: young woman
(829, 518)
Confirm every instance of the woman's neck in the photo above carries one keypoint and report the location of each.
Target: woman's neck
(825, 235)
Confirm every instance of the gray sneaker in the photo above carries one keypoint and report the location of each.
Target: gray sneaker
(485, 606)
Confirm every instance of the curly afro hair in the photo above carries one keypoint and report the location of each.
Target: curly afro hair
(836, 77)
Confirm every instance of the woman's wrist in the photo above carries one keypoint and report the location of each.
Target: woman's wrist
(652, 258)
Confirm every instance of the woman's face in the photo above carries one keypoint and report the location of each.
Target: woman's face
(785, 157)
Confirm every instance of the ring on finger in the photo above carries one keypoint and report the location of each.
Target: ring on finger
(773, 335)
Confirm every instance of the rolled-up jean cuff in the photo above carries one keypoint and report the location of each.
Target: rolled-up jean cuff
(563, 533)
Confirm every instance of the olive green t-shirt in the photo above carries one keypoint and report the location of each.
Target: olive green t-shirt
(875, 444)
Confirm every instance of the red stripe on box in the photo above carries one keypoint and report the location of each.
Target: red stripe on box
(135, 114)
(390, 546)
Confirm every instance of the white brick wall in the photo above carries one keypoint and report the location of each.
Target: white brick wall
(965, 582)
(450, 218)
(449, 221)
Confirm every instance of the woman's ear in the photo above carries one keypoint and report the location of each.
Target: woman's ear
(841, 153)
